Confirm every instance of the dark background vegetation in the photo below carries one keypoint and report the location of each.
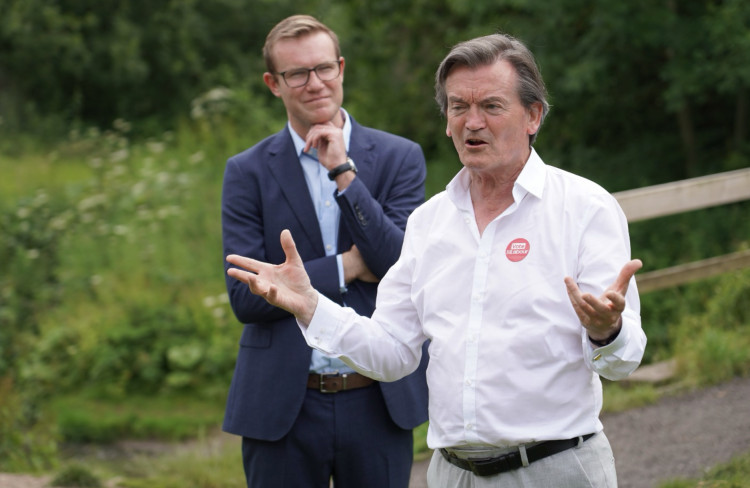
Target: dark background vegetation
(116, 118)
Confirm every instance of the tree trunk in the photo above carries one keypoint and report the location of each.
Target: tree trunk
(687, 134)
(740, 120)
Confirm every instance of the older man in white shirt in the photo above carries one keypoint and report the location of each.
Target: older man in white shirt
(520, 276)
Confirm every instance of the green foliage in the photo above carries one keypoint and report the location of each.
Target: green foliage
(205, 465)
(618, 397)
(98, 61)
(29, 235)
(28, 441)
(76, 475)
(714, 346)
(677, 239)
(86, 418)
(421, 450)
(733, 474)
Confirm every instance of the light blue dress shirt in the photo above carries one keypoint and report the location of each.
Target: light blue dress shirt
(322, 192)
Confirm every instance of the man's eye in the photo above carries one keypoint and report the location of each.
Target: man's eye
(493, 108)
(296, 74)
(324, 68)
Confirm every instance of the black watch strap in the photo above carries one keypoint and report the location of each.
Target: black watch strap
(609, 340)
(342, 168)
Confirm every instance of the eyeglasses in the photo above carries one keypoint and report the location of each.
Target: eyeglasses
(296, 78)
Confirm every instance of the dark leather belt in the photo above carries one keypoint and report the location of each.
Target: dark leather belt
(334, 382)
(512, 460)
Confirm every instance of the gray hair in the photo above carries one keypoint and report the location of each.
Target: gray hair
(483, 51)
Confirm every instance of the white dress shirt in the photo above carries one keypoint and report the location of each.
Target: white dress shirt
(510, 362)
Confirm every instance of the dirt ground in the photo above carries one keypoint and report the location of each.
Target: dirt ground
(681, 436)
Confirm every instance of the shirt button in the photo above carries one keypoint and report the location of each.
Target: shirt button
(328, 203)
(469, 426)
(329, 247)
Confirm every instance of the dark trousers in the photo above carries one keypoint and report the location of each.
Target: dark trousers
(347, 436)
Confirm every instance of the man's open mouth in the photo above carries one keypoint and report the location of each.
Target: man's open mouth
(474, 142)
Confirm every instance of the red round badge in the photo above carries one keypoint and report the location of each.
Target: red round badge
(517, 249)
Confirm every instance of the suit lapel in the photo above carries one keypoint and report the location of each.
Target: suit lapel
(362, 151)
(285, 167)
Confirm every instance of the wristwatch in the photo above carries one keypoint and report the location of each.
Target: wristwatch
(342, 168)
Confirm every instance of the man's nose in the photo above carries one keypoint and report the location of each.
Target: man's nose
(474, 118)
(314, 80)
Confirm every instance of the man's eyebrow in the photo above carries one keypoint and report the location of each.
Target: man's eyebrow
(490, 99)
(493, 99)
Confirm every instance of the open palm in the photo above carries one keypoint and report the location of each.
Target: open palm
(284, 285)
(600, 315)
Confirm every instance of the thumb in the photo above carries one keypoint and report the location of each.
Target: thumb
(290, 248)
(623, 279)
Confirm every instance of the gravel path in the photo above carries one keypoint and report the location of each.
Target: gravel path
(679, 437)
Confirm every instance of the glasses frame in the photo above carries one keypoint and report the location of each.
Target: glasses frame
(309, 70)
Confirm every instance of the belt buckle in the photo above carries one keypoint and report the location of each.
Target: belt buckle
(334, 374)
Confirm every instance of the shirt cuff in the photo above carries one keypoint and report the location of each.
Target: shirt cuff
(622, 356)
(322, 330)
(340, 265)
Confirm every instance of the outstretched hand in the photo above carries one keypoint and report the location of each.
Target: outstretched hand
(601, 316)
(284, 285)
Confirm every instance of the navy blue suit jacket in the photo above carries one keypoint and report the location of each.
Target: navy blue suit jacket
(265, 192)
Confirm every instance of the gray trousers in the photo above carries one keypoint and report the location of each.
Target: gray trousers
(590, 465)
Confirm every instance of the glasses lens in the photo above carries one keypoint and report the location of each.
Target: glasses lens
(296, 78)
(327, 71)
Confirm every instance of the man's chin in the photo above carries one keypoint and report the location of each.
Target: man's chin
(324, 116)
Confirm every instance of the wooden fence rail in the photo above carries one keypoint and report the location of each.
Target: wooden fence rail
(683, 196)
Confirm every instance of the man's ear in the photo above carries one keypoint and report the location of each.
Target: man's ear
(272, 83)
(535, 117)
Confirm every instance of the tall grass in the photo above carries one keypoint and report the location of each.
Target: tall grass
(111, 281)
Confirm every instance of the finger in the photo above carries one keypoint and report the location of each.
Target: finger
(616, 299)
(257, 285)
(315, 136)
(238, 274)
(575, 296)
(246, 277)
(597, 305)
(627, 272)
(572, 288)
(244, 262)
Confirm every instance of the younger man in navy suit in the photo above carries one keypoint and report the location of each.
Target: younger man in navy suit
(345, 192)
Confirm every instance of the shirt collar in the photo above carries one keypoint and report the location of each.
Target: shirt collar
(532, 176)
(530, 180)
(299, 143)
